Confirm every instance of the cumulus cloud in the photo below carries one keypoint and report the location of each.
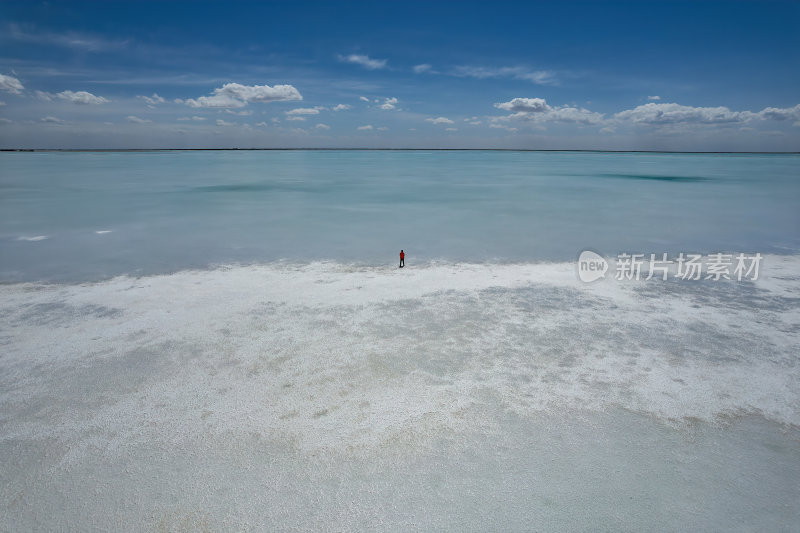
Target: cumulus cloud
(388, 103)
(540, 77)
(195, 118)
(237, 95)
(10, 84)
(363, 98)
(261, 124)
(653, 114)
(53, 120)
(80, 97)
(451, 129)
(774, 113)
(137, 120)
(341, 107)
(538, 110)
(439, 120)
(295, 117)
(304, 111)
(363, 60)
(524, 105)
(365, 128)
(574, 115)
(152, 100)
(322, 126)
(674, 114)
(383, 128)
(662, 114)
(419, 69)
(221, 122)
(654, 98)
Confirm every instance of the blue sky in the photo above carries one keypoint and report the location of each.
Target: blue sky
(540, 75)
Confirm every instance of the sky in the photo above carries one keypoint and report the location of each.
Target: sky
(691, 76)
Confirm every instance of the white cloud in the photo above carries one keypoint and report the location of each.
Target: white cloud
(5, 121)
(388, 103)
(81, 97)
(195, 118)
(10, 84)
(537, 110)
(383, 128)
(419, 69)
(502, 127)
(364, 61)
(178, 100)
(41, 95)
(672, 114)
(451, 129)
(304, 111)
(53, 120)
(138, 120)
(262, 124)
(365, 128)
(2, 103)
(243, 113)
(654, 98)
(237, 95)
(322, 127)
(221, 122)
(152, 100)
(71, 39)
(363, 98)
(774, 113)
(439, 120)
(574, 115)
(540, 77)
(524, 105)
(295, 118)
(341, 107)
(663, 114)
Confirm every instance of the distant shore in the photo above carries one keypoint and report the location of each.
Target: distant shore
(380, 150)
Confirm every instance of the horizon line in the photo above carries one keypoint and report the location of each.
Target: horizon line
(398, 150)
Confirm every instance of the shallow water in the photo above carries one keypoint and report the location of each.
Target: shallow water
(86, 216)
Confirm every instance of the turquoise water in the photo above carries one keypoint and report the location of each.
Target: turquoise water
(222, 341)
(166, 211)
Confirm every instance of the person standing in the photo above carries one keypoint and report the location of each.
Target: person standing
(402, 259)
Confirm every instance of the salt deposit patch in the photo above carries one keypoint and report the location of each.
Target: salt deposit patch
(327, 356)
